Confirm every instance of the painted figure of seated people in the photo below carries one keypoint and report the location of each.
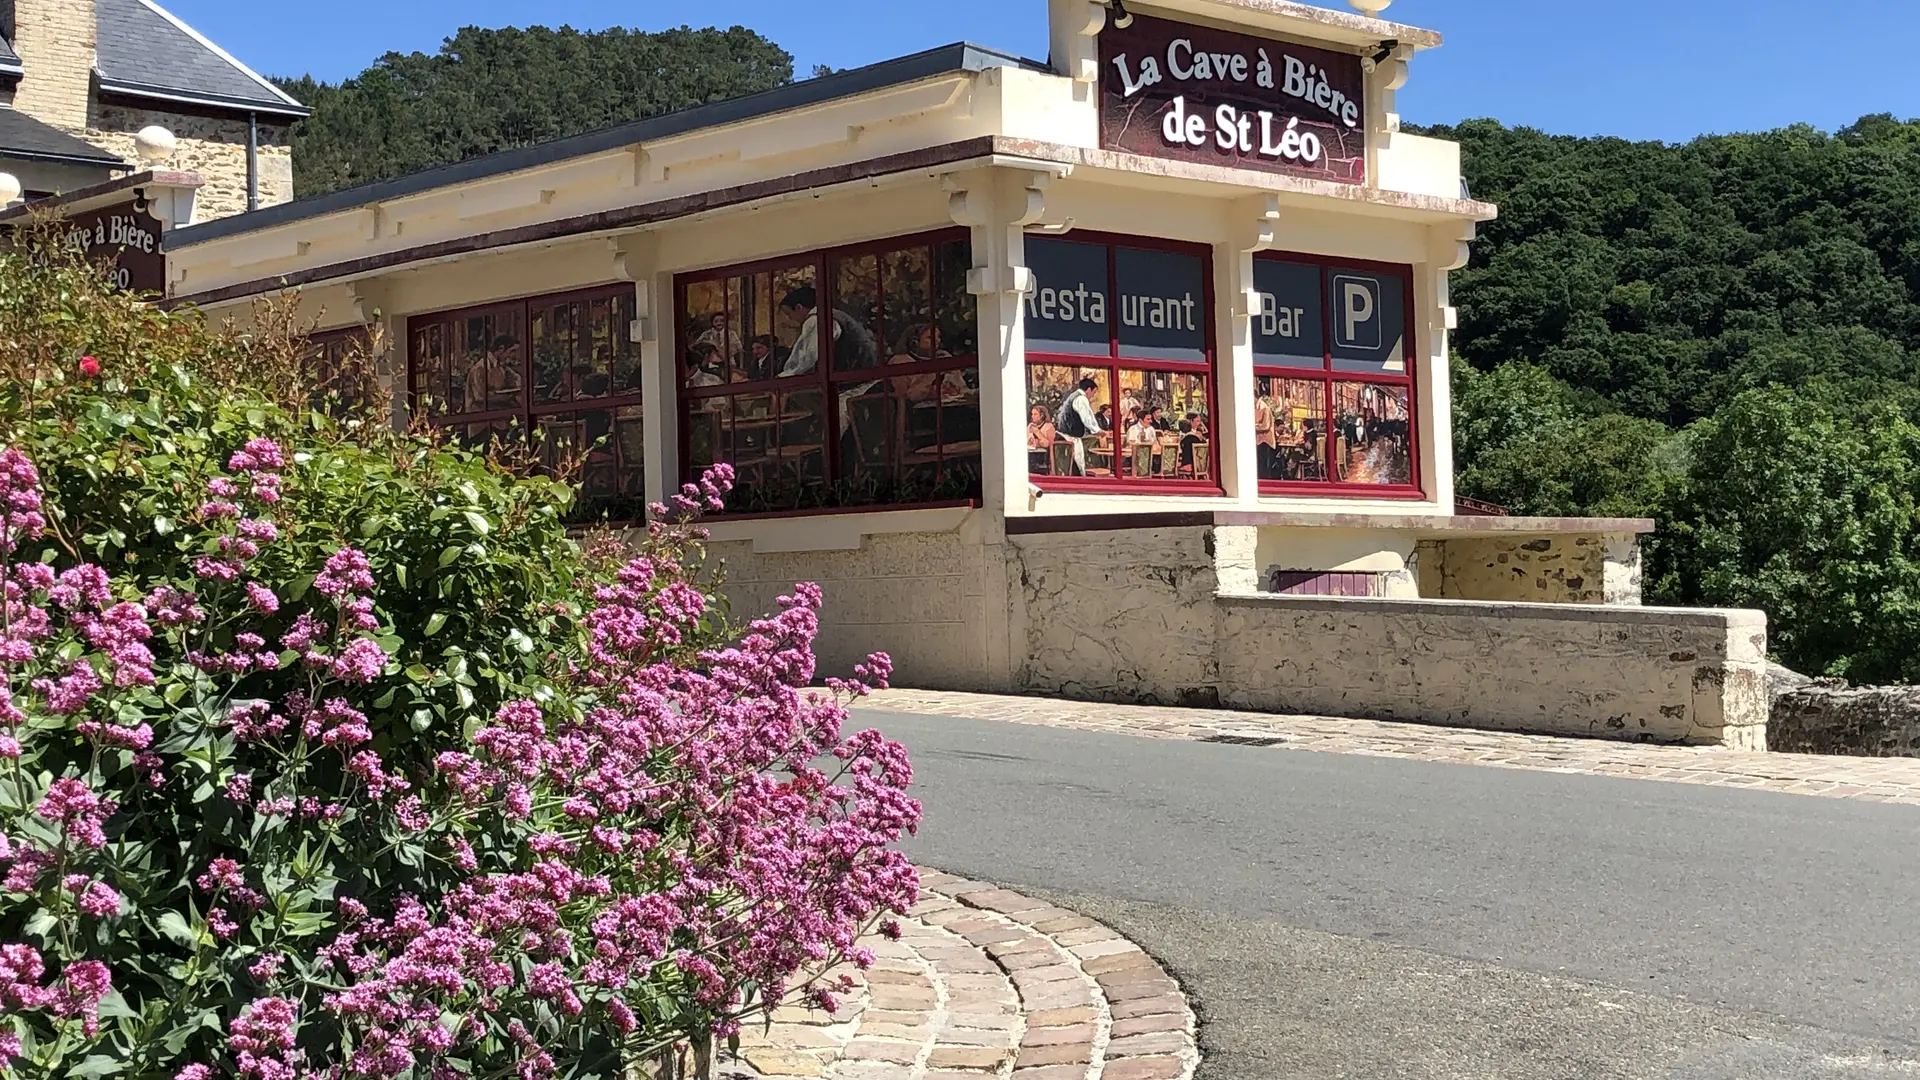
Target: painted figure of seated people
(853, 346)
(704, 366)
(493, 379)
(1039, 438)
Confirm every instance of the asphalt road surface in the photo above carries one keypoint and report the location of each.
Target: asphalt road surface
(1345, 916)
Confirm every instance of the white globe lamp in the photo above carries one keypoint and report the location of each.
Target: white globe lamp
(154, 144)
(9, 189)
(1370, 8)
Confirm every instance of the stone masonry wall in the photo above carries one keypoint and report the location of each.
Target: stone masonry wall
(1567, 569)
(1123, 615)
(1874, 721)
(1645, 674)
(214, 148)
(920, 597)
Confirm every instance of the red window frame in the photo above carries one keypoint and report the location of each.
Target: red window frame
(524, 421)
(1327, 376)
(1115, 362)
(823, 378)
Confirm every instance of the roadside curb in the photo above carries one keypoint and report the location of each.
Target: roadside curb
(986, 982)
(1859, 779)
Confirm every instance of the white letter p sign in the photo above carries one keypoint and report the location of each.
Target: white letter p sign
(1359, 308)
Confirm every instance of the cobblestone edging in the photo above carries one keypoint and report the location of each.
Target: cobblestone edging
(985, 982)
(1893, 780)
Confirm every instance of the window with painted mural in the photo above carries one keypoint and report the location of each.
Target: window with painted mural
(554, 380)
(1119, 365)
(1333, 406)
(845, 378)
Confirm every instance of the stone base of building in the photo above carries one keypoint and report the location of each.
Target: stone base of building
(1262, 612)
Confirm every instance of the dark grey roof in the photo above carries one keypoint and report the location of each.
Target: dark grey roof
(144, 51)
(9, 60)
(21, 136)
(906, 69)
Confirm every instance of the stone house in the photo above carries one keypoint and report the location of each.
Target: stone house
(1121, 375)
(79, 79)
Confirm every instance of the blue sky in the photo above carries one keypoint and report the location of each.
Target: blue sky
(1662, 69)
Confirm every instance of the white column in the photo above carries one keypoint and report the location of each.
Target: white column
(1251, 228)
(998, 204)
(1447, 250)
(635, 258)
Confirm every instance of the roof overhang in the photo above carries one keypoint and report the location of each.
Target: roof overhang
(145, 93)
(985, 151)
(102, 162)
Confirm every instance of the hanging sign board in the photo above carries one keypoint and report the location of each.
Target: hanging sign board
(127, 239)
(1193, 93)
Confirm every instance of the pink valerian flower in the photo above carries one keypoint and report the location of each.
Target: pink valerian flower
(360, 662)
(30, 864)
(346, 572)
(335, 724)
(171, 607)
(240, 788)
(78, 993)
(20, 512)
(263, 1041)
(126, 738)
(255, 721)
(78, 810)
(121, 632)
(195, 1071)
(82, 588)
(150, 768)
(71, 692)
(267, 967)
(262, 598)
(367, 766)
(96, 898)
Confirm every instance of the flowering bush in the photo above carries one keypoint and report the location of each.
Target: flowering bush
(324, 750)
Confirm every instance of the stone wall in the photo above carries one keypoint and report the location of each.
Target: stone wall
(1828, 718)
(1117, 615)
(214, 148)
(1171, 616)
(1646, 674)
(1575, 568)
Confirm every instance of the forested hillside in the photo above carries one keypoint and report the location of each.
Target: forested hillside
(1724, 335)
(488, 90)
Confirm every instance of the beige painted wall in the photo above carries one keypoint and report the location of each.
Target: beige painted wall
(1116, 616)
(1656, 674)
(926, 599)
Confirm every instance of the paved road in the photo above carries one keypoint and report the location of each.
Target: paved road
(1345, 916)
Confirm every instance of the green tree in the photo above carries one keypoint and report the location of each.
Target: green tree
(489, 90)
(1531, 443)
(1807, 511)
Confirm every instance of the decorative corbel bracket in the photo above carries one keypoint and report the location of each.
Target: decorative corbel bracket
(370, 300)
(1256, 228)
(630, 258)
(1077, 46)
(1384, 81)
(971, 202)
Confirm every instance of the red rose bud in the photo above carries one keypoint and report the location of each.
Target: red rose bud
(89, 366)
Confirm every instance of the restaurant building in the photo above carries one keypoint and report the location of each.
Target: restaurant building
(1121, 375)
